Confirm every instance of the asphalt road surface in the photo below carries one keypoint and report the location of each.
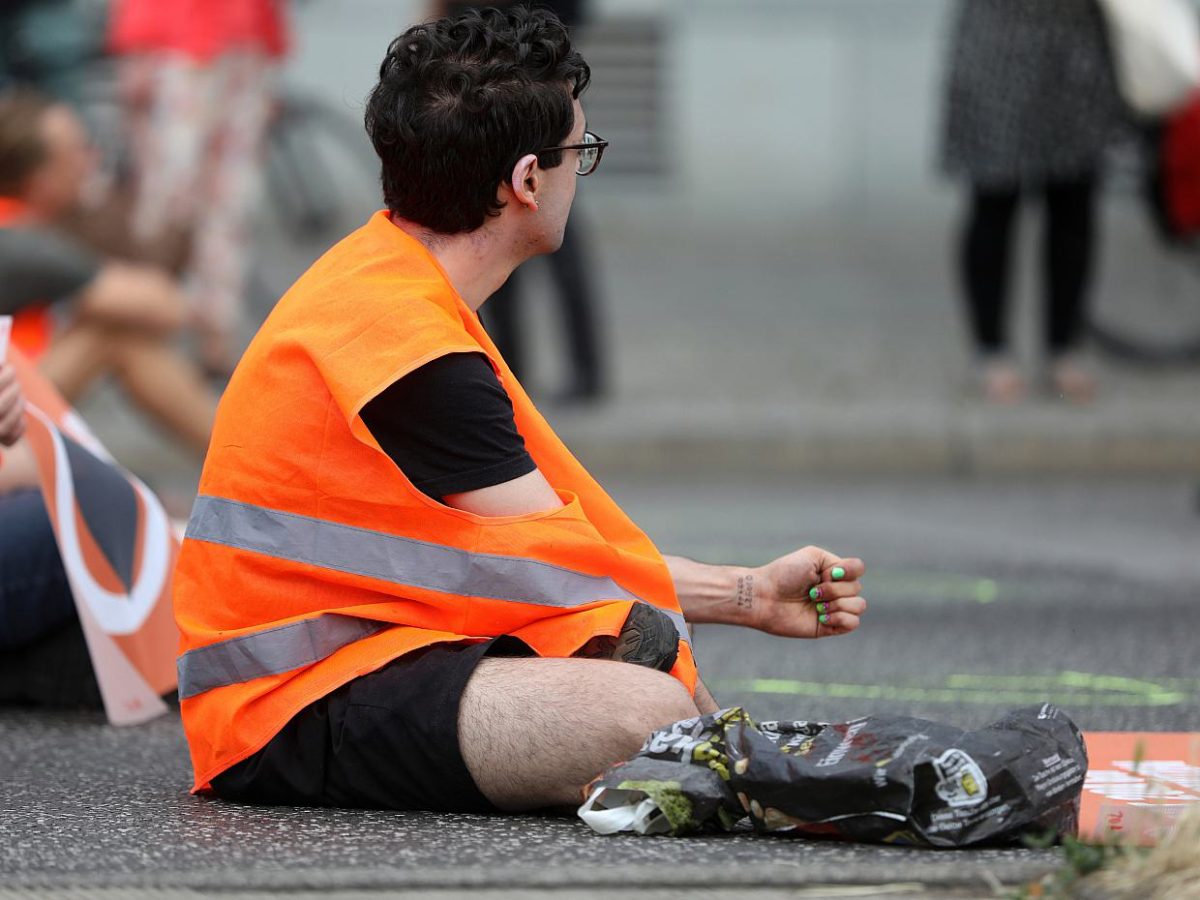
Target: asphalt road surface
(984, 596)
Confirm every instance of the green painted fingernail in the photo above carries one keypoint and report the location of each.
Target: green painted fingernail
(821, 608)
(814, 594)
(824, 620)
(838, 573)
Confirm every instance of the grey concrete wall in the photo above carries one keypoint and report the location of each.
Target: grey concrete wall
(793, 109)
(808, 108)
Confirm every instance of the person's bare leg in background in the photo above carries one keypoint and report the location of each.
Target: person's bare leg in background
(158, 380)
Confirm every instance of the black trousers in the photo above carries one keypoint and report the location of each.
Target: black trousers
(1067, 253)
(573, 290)
(44, 659)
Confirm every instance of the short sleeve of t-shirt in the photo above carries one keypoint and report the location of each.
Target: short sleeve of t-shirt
(39, 266)
(449, 427)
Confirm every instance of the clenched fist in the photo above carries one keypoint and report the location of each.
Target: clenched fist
(810, 594)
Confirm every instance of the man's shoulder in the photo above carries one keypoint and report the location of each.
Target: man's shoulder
(371, 265)
(362, 301)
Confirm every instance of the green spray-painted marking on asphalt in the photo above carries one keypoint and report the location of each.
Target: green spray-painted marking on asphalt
(1064, 689)
(1070, 680)
(942, 586)
(986, 590)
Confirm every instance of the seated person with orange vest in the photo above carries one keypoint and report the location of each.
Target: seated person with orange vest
(398, 587)
(79, 316)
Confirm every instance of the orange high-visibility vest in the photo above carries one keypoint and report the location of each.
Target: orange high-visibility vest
(310, 559)
(33, 326)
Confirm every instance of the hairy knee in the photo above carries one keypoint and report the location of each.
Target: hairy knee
(675, 703)
(661, 701)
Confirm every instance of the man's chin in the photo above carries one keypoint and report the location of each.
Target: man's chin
(545, 243)
(554, 241)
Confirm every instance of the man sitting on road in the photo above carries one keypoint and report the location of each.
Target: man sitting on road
(398, 588)
(80, 316)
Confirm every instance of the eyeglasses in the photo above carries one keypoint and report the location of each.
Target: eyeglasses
(590, 152)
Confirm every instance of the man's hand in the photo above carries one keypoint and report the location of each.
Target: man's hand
(808, 594)
(12, 407)
(787, 597)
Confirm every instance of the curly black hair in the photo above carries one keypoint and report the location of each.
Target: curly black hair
(460, 100)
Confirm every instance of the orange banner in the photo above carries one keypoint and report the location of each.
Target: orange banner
(1138, 784)
(118, 548)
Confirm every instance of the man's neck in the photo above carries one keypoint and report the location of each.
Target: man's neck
(476, 263)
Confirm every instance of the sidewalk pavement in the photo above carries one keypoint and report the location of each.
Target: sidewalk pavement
(837, 349)
(845, 351)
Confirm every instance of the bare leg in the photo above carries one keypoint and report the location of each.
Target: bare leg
(159, 380)
(168, 388)
(79, 356)
(237, 115)
(534, 732)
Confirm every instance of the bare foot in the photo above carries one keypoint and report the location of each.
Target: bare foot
(1001, 383)
(1070, 381)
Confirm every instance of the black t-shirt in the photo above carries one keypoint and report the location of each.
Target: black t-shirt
(449, 427)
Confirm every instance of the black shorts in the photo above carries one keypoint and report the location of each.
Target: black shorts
(385, 740)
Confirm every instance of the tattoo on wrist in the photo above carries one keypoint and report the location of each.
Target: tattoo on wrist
(744, 596)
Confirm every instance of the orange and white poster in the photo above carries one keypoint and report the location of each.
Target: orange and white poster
(1138, 784)
(118, 548)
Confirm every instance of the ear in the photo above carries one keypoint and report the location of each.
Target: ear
(526, 181)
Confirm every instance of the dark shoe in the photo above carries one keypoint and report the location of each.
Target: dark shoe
(648, 639)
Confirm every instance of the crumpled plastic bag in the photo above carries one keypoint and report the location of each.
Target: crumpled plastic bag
(884, 779)
(660, 796)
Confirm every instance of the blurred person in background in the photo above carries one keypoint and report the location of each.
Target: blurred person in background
(1031, 107)
(59, 48)
(196, 78)
(78, 315)
(572, 283)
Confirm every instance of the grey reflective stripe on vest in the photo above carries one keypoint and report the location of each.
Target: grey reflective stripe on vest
(373, 554)
(269, 652)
